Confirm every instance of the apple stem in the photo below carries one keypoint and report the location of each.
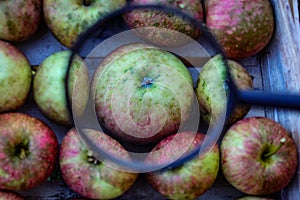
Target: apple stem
(22, 154)
(86, 2)
(282, 141)
(92, 159)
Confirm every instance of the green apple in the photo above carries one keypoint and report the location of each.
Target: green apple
(211, 89)
(49, 88)
(142, 93)
(258, 156)
(15, 77)
(69, 18)
(19, 19)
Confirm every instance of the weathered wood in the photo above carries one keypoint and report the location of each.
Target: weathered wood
(281, 69)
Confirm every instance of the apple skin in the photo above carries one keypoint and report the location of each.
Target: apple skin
(243, 28)
(49, 88)
(142, 93)
(19, 19)
(169, 24)
(68, 19)
(98, 180)
(9, 195)
(190, 180)
(211, 89)
(15, 77)
(242, 151)
(28, 151)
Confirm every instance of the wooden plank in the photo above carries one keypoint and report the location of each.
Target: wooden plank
(281, 68)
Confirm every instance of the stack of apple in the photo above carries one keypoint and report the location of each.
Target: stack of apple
(152, 96)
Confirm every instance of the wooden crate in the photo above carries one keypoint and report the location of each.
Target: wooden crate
(276, 69)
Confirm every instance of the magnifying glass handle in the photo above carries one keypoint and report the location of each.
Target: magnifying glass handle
(264, 98)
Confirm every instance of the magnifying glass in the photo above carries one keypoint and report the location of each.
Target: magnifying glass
(138, 116)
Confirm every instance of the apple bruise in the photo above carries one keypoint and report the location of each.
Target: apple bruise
(88, 176)
(182, 182)
(242, 28)
(265, 146)
(133, 89)
(29, 150)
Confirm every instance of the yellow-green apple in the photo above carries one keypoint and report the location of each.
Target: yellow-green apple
(88, 176)
(70, 18)
(191, 179)
(49, 88)
(243, 28)
(212, 88)
(10, 195)
(258, 156)
(19, 19)
(28, 151)
(142, 93)
(15, 77)
(161, 27)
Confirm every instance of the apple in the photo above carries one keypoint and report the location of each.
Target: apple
(28, 151)
(68, 19)
(88, 176)
(258, 156)
(243, 28)
(49, 89)
(15, 77)
(190, 180)
(142, 93)
(211, 89)
(9, 195)
(19, 19)
(163, 28)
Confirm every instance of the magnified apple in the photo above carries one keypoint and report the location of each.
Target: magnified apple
(70, 18)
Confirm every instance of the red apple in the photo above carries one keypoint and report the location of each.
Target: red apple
(28, 151)
(88, 176)
(258, 156)
(19, 19)
(15, 77)
(163, 28)
(243, 28)
(9, 195)
(190, 180)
